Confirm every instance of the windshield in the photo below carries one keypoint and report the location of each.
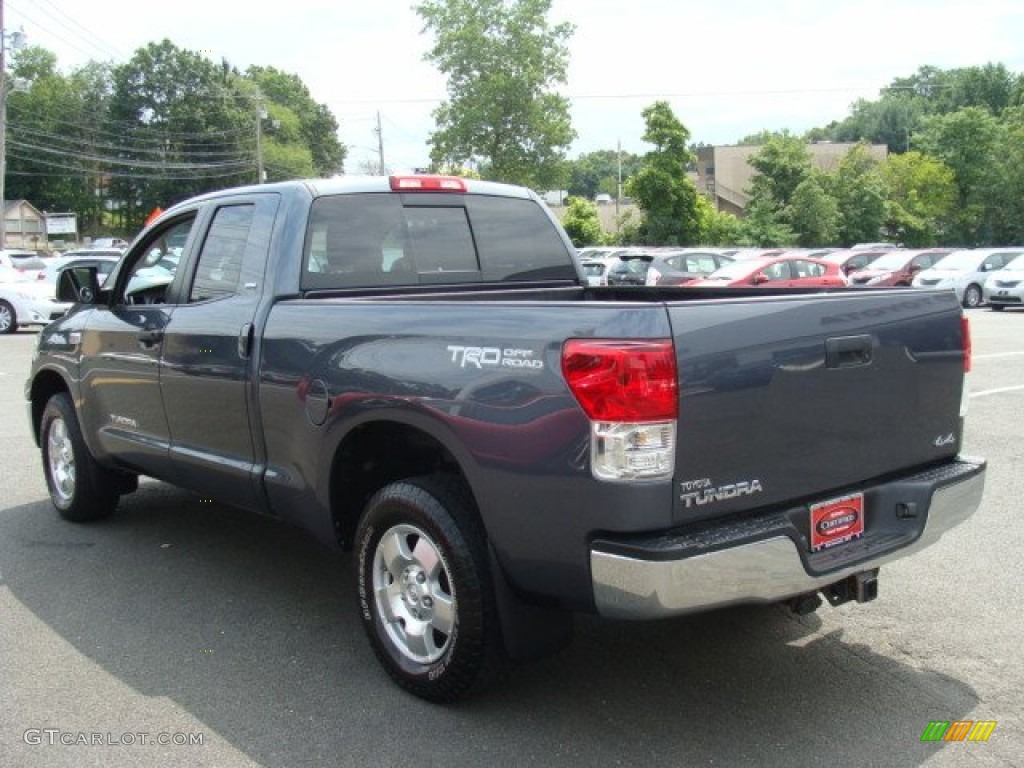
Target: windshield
(736, 269)
(890, 261)
(961, 261)
(1017, 265)
(27, 261)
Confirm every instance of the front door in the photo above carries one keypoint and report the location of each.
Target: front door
(122, 345)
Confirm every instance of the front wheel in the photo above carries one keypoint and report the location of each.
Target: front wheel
(972, 296)
(424, 589)
(80, 488)
(8, 318)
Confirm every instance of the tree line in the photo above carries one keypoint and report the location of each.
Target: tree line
(169, 124)
(113, 142)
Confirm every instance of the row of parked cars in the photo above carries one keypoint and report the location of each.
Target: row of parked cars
(28, 283)
(992, 276)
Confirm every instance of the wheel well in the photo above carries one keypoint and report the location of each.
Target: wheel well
(44, 386)
(376, 454)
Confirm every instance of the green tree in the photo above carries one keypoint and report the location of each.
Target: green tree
(183, 128)
(860, 194)
(781, 164)
(813, 213)
(717, 227)
(582, 223)
(55, 135)
(1004, 198)
(661, 187)
(596, 172)
(764, 227)
(503, 61)
(315, 127)
(922, 193)
(966, 142)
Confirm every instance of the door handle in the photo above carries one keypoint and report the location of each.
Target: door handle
(848, 351)
(150, 338)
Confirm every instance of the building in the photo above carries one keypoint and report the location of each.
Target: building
(725, 173)
(24, 226)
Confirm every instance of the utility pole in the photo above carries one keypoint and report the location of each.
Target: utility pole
(618, 189)
(3, 128)
(261, 114)
(380, 145)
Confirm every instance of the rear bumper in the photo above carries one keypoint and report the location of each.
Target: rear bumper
(766, 558)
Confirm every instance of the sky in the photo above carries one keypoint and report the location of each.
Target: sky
(728, 69)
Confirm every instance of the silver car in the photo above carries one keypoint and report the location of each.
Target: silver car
(1005, 287)
(966, 271)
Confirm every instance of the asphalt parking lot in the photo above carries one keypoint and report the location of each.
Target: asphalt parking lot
(178, 621)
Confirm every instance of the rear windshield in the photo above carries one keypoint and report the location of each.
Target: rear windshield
(377, 239)
(27, 261)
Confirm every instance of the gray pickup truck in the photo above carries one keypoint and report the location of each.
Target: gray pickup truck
(414, 369)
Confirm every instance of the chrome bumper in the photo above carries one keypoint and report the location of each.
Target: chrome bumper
(758, 572)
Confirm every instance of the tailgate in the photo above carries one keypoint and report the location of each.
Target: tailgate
(803, 397)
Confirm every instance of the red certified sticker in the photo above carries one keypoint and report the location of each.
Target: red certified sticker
(837, 521)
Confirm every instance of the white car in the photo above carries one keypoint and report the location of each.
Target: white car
(25, 301)
(27, 262)
(966, 271)
(1005, 287)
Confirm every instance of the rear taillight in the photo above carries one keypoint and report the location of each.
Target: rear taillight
(427, 184)
(630, 391)
(965, 329)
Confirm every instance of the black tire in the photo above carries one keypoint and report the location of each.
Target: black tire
(972, 296)
(80, 489)
(8, 318)
(424, 589)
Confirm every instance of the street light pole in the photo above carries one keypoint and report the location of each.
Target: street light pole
(17, 42)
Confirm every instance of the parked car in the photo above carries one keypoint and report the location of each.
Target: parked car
(966, 271)
(25, 301)
(683, 266)
(104, 259)
(852, 259)
(778, 272)
(596, 271)
(1005, 287)
(26, 262)
(897, 267)
(629, 269)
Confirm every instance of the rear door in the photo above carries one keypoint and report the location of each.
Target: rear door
(790, 397)
(206, 366)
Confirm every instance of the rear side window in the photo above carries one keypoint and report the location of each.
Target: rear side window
(220, 261)
(378, 239)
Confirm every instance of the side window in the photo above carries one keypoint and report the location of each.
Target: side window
(777, 271)
(157, 263)
(220, 260)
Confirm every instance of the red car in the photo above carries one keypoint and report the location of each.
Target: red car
(779, 272)
(897, 267)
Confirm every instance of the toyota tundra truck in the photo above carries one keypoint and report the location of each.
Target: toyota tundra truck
(414, 369)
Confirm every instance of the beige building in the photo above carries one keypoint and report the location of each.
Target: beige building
(24, 225)
(725, 173)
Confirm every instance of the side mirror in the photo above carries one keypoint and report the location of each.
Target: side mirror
(759, 279)
(78, 285)
(915, 268)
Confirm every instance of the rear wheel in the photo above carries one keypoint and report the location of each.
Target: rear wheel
(972, 296)
(80, 488)
(8, 318)
(424, 589)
